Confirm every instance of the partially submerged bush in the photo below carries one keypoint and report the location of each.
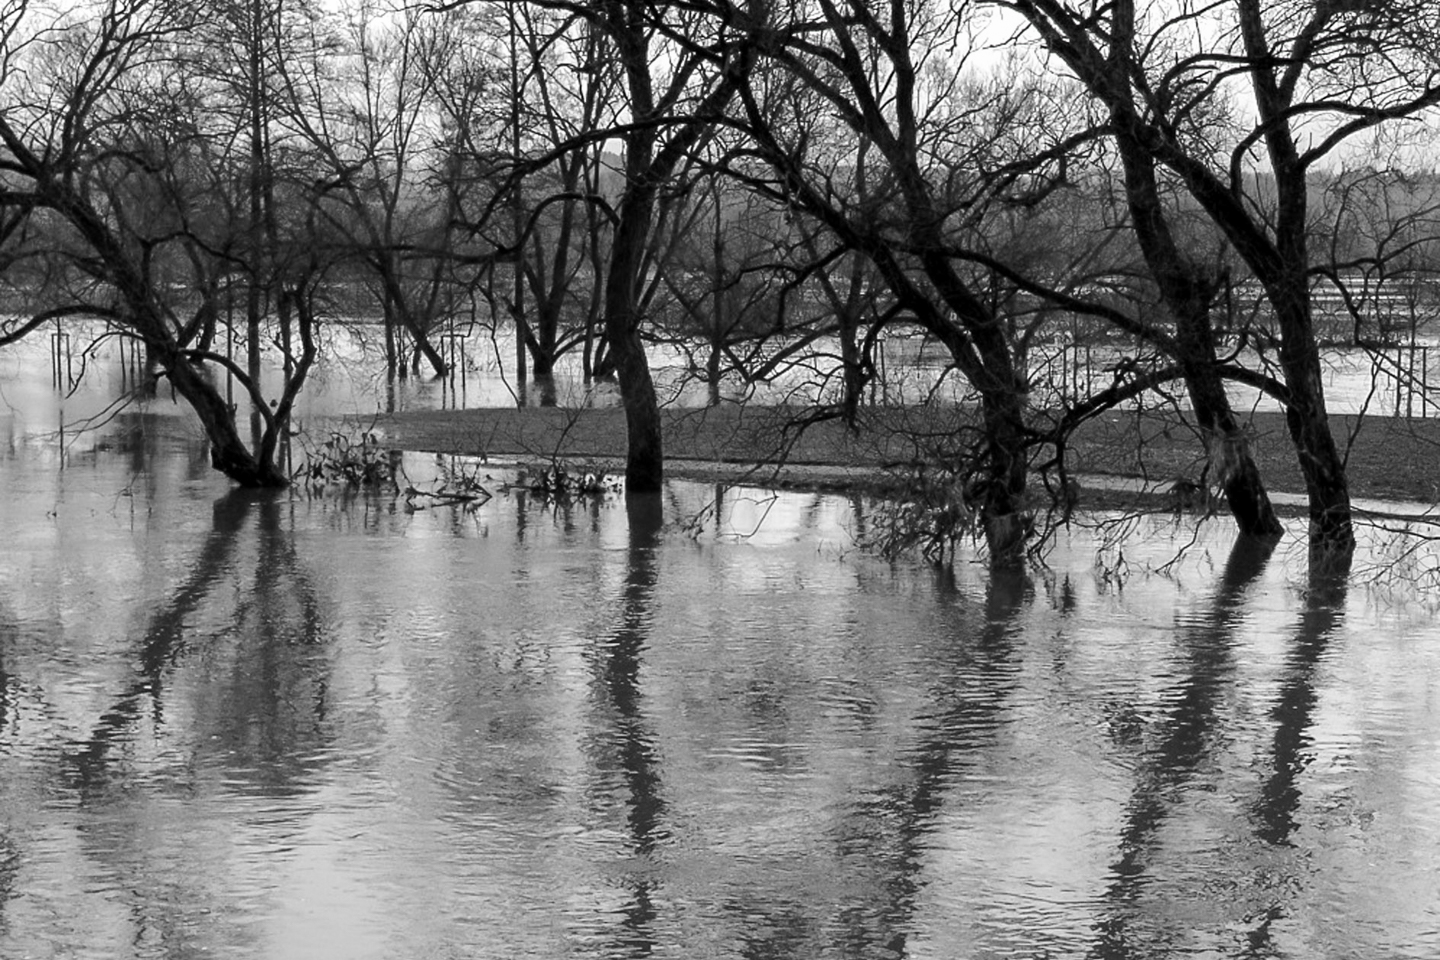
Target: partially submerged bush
(558, 482)
(927, 512)
(458, 482)
(351, 462)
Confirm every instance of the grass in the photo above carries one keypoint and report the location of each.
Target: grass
(1388, 458)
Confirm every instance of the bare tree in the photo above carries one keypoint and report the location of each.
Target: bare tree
(565, 207)
(891, 75)
(1313, 81)
(363, 107)
(680, 71)
(98, 149)
(732, 274)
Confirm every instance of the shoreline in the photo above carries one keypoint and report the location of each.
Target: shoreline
(1389, 459)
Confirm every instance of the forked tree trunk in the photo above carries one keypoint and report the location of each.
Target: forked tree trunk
(228, 453)
(1273, 247)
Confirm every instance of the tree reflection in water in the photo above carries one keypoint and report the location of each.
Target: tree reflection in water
(887, 834)
(1189, 734)
(623, 745)
(1183, 740)
(1294, 715)
(250, 726)
(273, 616)
(576, 738)
(9, 853)
(270, 712)
(161, 643)
(1294, 711)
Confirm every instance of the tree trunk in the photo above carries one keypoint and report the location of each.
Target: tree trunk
(1273, 246)
(850, 361)
(228, 452)
(645, 169)
(1005, 473)
(1228, 451)
(712, 373)
(1287, 286)
(392, 347)
(644, 460)
(1326, 487)
(983, 353)
(1188, 295)
(423, 346)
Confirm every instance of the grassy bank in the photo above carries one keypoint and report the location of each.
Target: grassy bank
(1388, 458)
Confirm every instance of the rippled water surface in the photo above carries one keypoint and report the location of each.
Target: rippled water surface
(323, 728)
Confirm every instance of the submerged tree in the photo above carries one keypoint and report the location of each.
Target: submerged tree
(887, 82)
(679, 73)
(1314, 78)
(731, 274)
(105, 174)
(561, 211)
(362, 103)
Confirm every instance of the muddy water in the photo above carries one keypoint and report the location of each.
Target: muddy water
(295, 728)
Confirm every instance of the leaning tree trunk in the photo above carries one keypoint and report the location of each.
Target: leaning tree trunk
(398, 314)
(1331, 531)
(1231, 462)
(228, 453)
(1188, 296)
(1226, 445)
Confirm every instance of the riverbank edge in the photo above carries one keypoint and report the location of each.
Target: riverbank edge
(1388, 458)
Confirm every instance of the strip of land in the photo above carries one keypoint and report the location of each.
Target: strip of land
(1388, 458)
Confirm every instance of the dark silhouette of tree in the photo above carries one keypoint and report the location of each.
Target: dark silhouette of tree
(102, 159)
(1165, 74)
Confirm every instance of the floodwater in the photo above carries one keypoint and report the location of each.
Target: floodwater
(305, 727)
(325, 727)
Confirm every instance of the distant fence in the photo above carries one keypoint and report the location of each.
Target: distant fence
(1387, 380)
(1407, 370)
(1382, 379)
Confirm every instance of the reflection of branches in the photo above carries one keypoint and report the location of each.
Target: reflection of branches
(100, 419)
(272, 758)
(163, 643)
(122, 849)
(9, 855)
(1186, 738)
(7, 633)
(971, 701)
(1275, 809)
(1293, 712)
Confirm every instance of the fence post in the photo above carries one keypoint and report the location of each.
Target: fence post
(1399, 380)
(1410, 385)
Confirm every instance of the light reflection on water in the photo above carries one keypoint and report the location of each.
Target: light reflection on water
(246, 727)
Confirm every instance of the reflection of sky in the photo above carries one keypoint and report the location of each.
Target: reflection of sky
(307, 727)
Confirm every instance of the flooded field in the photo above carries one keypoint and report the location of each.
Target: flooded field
(703, 726)
(295, 727)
